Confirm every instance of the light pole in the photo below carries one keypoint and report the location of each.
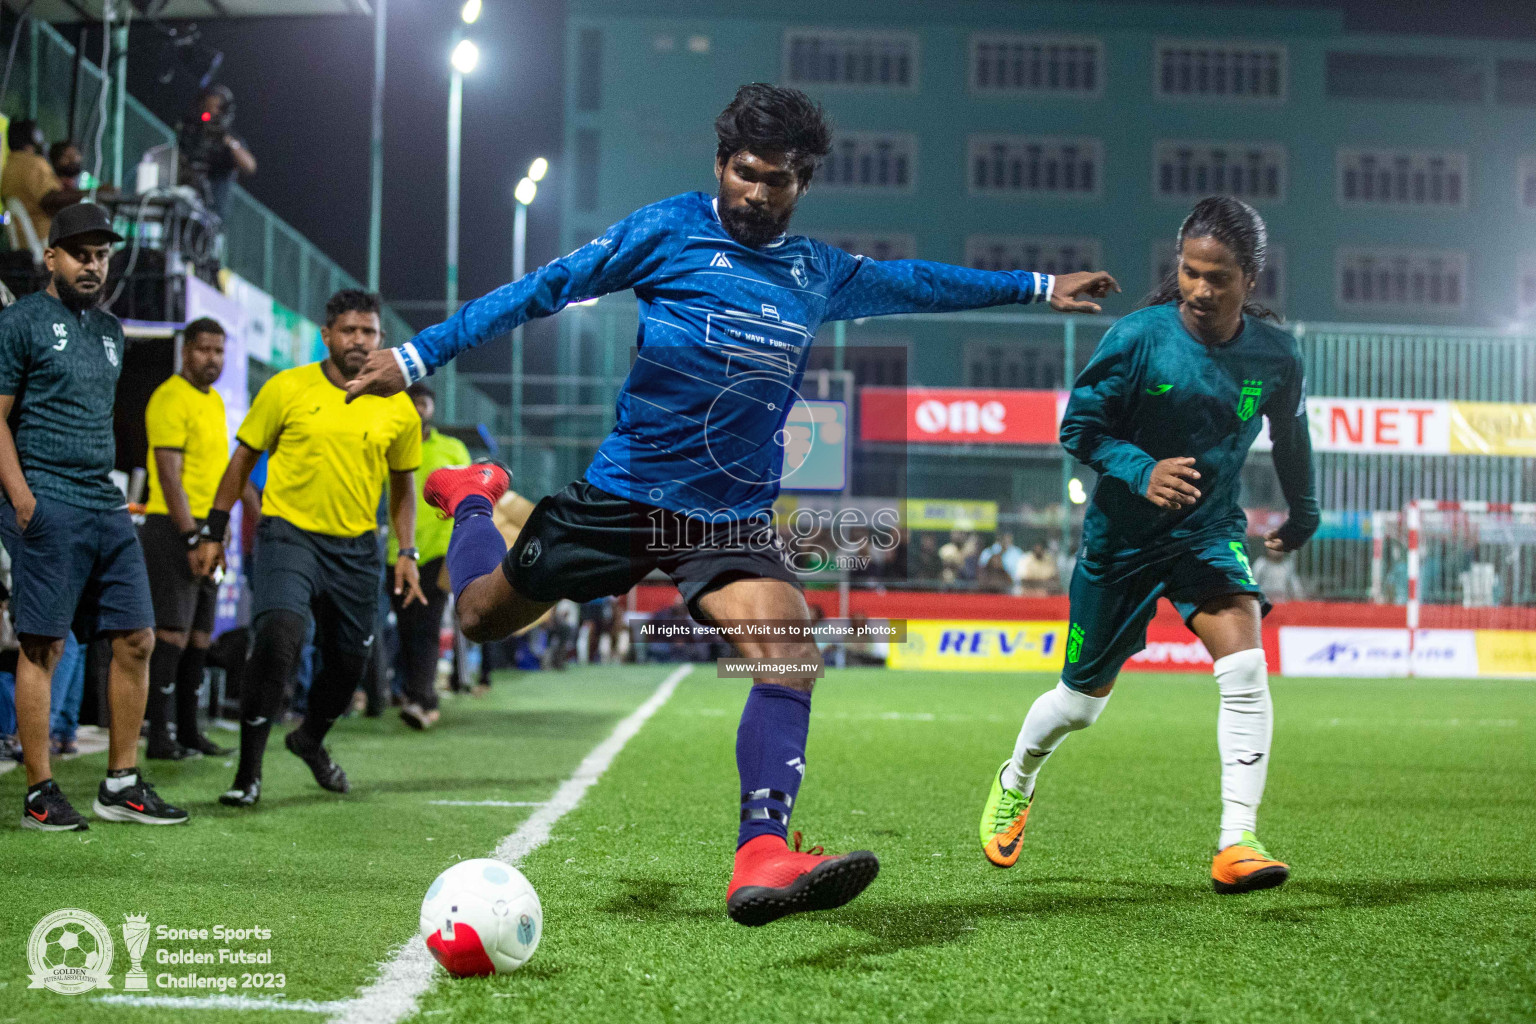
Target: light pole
(376, 151)
(463, 59)
(523, 195)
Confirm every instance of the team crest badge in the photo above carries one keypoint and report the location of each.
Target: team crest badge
(1248, 401)
(797, 271)
(111, 347)
(1074, 643)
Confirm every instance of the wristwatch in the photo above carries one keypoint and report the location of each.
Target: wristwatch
(410, 553)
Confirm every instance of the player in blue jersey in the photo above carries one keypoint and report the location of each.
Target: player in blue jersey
(1165, 412)
(729, 303)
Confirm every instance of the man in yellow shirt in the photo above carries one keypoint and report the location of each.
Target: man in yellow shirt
(317, 552)
(421, 624)
(188, 449)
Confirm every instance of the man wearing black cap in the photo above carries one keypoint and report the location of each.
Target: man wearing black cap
(75, 558)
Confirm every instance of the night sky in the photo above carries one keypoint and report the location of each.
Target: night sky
(303, 88)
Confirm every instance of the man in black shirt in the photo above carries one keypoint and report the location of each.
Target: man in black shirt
(75, 558)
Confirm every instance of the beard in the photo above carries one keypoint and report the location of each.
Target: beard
(752, 228)
(74, 299)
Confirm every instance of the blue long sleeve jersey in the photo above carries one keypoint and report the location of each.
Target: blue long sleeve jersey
(725, 331)
(1152, 391)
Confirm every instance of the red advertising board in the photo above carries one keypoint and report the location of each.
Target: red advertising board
(958, 415)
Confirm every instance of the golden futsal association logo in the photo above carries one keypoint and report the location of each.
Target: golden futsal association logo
(70, 952)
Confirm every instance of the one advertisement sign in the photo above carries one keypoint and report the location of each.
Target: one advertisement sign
(980, 646)
(958, 415)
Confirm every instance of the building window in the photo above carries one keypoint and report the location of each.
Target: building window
(1379, 177)
(1019, 165)
(1417, 78)
(875, 360)
(1032, 252)
(1527, 182)
(1528, 285)
(1058, 65)
(1422, 279)
(1012, 364)
(1220, 69)
(1268, 290)
(874, 244)
(1190, 170)
(589, 69)
(879, 60)
(869, 160)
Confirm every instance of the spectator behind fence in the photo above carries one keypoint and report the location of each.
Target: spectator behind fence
(420, 624)
(65, 159)
(999, 564)
(188, 449)
(1037, 573)
(212, 155)
(1276, 576)
(29, 177)
(75, 559)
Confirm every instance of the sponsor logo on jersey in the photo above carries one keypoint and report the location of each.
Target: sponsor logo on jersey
(1159, 389)
(721, 260)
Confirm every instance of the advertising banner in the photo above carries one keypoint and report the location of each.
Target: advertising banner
(980, 646)
(1376, 653)
(951, 415)
(951, 515)
(1506, 652)
(1493, 428)
(257, 307)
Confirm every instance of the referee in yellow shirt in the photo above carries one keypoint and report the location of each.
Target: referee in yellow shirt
(317, 552)
(188, 448)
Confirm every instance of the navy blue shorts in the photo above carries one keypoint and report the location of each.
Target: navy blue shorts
(1112, 604)
(79, 568)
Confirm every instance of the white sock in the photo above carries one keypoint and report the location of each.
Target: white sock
(1244, 727)
(122, 782)
(1053, 715)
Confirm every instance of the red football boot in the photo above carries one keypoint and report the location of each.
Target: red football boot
(450, 485)
(771, 880)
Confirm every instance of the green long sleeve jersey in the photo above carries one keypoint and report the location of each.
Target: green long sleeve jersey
(1153, 391)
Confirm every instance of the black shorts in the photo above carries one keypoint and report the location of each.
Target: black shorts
(337, 579)
(74, 567)
(584, 543)
(183, 602)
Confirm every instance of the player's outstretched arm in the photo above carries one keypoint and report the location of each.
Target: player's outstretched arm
(866, 287)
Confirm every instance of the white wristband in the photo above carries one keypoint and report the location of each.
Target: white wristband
(412, 367)
(1044, 294)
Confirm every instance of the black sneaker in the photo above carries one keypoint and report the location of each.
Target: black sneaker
(203, 745)
(327, 772)
(241, 796)
(170, 750)
(138, 803)
(46, 810)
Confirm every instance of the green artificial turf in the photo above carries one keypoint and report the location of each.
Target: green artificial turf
(1404, 807)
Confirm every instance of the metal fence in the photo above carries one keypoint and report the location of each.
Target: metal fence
(567, 407)
(258, 245)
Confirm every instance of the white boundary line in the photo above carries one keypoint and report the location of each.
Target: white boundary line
(236, 1002)
(408, 973)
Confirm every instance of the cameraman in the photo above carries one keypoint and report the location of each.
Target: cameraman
(212, 156)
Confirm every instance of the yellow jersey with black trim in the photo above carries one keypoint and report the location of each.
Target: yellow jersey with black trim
(180, 416)
(329, 460)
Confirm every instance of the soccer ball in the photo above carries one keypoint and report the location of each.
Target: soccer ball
(481, 917)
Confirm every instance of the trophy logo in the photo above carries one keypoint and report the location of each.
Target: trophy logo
(136, 937)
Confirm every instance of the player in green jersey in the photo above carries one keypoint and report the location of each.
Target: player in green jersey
(1165, 413)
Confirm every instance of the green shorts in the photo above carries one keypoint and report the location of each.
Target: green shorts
(1112, 603)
